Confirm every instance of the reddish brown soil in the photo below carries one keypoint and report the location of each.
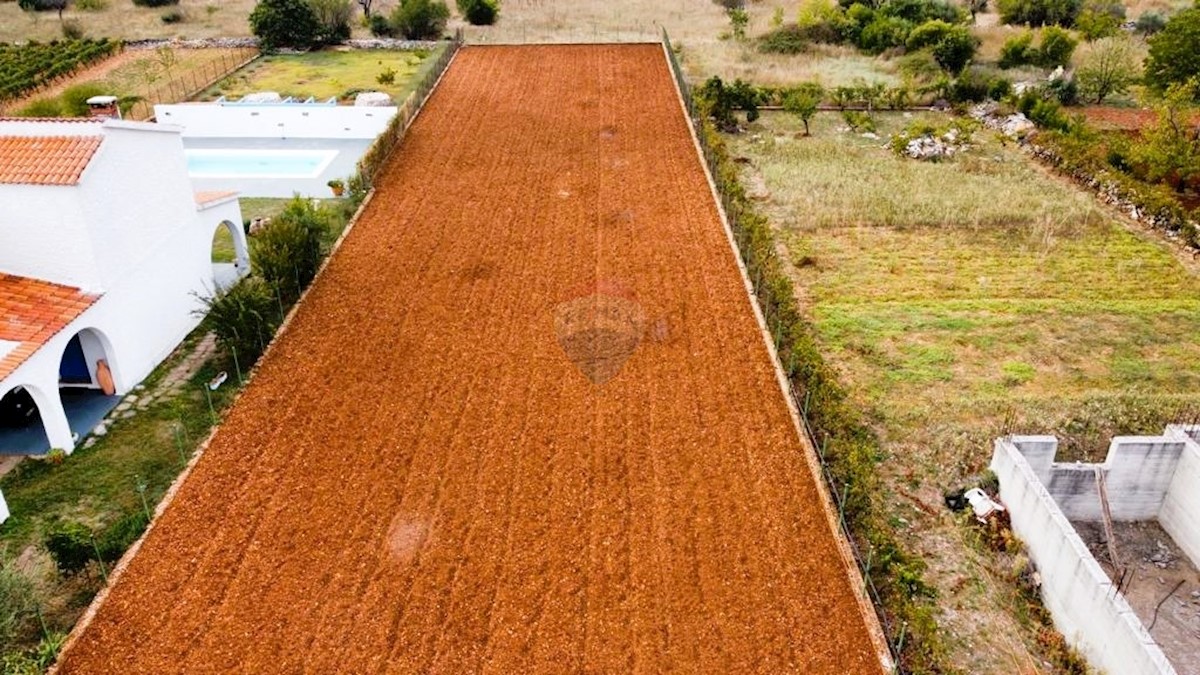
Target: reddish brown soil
(1121, 119)
(420, 479)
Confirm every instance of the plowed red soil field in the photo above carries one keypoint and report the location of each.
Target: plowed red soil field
(524, 422)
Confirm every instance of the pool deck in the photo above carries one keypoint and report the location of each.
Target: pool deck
(342, 166)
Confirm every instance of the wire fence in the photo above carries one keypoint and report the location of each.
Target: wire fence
(775, 325)
(191, 82)
(376, 156)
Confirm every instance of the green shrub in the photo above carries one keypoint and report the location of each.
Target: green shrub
(72, 29)
(420, 19)
(479, 12)
(287, 253)
(955, 49)
(1044, 112)
(790, 39)
(380, 26)
(920, 11)
(974, 85)
(243, 317)
(284, 24)
(42, 107)
(91, 5)
(1094, 23)
(333, 20)
(173, 16)
(155, 3)
(884, 33)
(71, 546)
(1039, 12)
(927, 34)
(1150, 23)
(1018, 50)
(118, 537)
(1175, 52)
(1056, 47)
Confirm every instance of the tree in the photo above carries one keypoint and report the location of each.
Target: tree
(479, 12)
(1174, 52)
(956, 49)
(1039, 12)
(333, 20)
(1150, 23)
(1056, 48)
(1170, 150)
(284, 23)
(420, 19)
(44, 6)
(366, 7)
(802, 102)
(1108, 66)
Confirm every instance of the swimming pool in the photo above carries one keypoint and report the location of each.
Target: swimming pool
(238, 163)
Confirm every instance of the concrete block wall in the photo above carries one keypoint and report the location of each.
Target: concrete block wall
(1138, 471)
(1180, 512)
(211, 120)
(1087, 609)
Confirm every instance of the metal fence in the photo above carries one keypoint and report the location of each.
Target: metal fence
(373, 160)
(191, 82)
(754, 269)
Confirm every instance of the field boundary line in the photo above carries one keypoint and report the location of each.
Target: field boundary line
(168, 498)
(849, 561)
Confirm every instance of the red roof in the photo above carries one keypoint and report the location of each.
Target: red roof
(206, 197)
(32, 312)
(45, 160)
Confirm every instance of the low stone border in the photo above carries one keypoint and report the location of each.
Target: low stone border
(235, 42)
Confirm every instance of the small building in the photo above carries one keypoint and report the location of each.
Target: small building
(105, 250)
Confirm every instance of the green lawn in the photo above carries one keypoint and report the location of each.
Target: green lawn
(964, 299)
(325, 74)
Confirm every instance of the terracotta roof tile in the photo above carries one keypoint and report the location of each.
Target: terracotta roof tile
(45, 160)
(203, 197)
(32, 312)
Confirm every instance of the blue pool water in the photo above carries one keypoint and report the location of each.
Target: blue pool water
(229, 163)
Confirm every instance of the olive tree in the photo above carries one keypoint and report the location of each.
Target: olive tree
(802, 102)
(1108, 66)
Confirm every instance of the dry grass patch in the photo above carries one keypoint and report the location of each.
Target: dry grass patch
(969, 298)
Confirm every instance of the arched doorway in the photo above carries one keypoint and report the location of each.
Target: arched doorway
(21, 429)
(230, 255)
(88, 381)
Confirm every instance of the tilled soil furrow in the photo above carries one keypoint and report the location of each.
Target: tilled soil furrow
(525, 422)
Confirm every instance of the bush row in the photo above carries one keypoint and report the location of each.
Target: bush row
(849, 448)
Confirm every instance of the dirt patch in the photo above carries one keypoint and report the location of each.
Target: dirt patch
(422, 479)
(1161, 584)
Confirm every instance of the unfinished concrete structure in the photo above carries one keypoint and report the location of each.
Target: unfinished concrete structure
(1143, 478)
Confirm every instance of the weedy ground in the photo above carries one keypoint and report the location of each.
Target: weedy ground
(969, 298)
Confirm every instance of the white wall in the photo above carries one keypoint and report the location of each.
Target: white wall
(1138, 471)
(134, 196)
(1180, 514)
(211, 120)
(1086, 608)
(42, 235)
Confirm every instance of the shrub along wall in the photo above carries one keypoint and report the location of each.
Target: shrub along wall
(849, 451)
(372, 161)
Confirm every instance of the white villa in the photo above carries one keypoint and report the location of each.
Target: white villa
(104, 247)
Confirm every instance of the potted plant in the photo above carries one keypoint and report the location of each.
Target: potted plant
(337, 186)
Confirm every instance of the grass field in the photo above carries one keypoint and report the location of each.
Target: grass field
(962, 299)
(325, 74)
